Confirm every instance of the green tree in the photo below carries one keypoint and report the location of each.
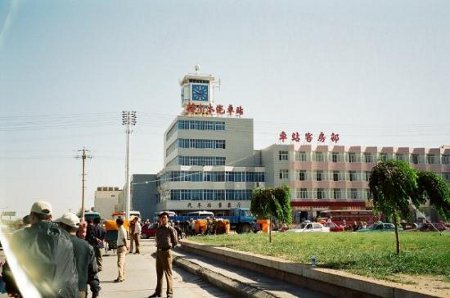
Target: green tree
(393, 184)
(269, 203)
(434, 188)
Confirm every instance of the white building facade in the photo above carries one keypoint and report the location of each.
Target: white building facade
(107, 200)
(210, 162)
(337, 177)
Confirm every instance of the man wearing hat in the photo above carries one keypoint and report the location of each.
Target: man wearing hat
(84, 256)
(166, 238)
(45, 254)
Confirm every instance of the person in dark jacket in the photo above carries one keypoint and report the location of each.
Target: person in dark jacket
(84, 255)
(96, 236)
(166, 239)
(45, 255)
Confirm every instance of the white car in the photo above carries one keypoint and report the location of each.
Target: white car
(307, 227)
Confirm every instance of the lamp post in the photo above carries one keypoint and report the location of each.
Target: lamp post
(128, 119)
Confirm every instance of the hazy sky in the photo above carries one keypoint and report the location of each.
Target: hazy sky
(376, 72)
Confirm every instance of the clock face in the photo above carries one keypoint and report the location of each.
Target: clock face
(199, 92)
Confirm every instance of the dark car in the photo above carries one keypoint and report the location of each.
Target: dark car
(379, 227)
(149, 230)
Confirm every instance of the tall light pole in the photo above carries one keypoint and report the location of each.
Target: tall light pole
(83, 157)
(128, 119)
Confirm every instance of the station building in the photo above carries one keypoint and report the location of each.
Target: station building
(210, 162)
(336, 177)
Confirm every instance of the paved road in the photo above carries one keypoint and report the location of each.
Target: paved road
(140, 278)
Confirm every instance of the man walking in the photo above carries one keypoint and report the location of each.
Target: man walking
(84, 255)
(166, 238)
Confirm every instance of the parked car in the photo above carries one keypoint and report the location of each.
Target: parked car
(148, 230)
(380, 227)
(334, 227)
(307, 227)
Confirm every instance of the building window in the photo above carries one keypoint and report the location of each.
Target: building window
(335, 157)
(201, 161)
(319, 156)
(415, 158)
(284, 174)
(320, 193)
(303, 193)
(367, 175)
(445, 159)
(368, 158)
(431, 159)
(283, 155)
(400, 156)
(335, 175)
(319, 175)
(351, 157)
(383, 156)
(354, 194)
(336, 193)
(302, 175)
(301, 156)
(352, 175)
(446, 176)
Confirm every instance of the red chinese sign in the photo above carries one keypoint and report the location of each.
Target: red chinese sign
(209, 110)
(308, 137)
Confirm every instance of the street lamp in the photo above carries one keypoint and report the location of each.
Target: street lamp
(128, 119)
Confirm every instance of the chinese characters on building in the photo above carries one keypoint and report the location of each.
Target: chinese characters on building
(307, 137)
(209, 110)
(211, 205)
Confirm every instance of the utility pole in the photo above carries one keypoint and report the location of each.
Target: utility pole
(128, 119)
(83, 157)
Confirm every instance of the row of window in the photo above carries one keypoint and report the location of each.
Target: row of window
(182, 176)
(304, 175)
(201, 144)
(210, 194)
(200, 160)
(352, 157)
(334, 193)
(195, 125)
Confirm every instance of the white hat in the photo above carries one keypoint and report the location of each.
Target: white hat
(41, 207)
(69, 219)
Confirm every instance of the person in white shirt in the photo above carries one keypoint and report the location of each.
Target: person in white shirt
(122, 248)
(135, 234)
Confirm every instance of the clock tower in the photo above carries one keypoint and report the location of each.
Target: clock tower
(197, 89)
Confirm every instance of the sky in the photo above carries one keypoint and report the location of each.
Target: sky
(376, 72)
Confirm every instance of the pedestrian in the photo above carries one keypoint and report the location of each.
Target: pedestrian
(84, 256)
(130, 231)
(45, 253)
(96, 236)
(166, 238)
(122, 248)
(135, 235)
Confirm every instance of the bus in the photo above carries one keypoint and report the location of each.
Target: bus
(347, 218)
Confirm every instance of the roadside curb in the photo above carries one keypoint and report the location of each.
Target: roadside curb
(330, 282)
(235, 287)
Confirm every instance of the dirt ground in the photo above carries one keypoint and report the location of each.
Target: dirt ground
(437, 285)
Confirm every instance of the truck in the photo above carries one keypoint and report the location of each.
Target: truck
(240, 219)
